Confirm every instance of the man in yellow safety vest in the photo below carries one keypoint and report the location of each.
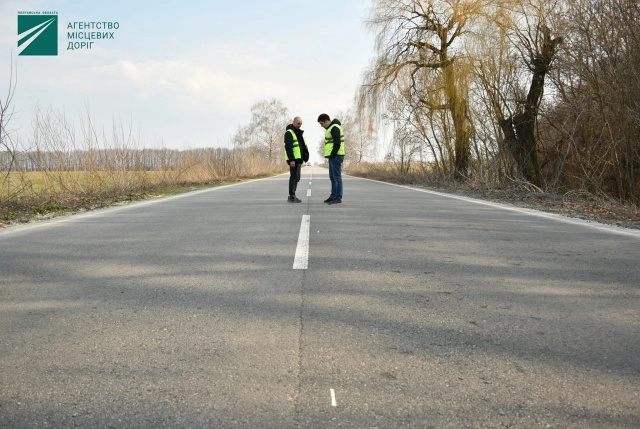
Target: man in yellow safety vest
(334, 150)
(296, 153)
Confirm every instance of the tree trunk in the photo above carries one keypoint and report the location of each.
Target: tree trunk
(519, 131)
(525, 124)
(512, 144)
(459, 109)
(463, 138)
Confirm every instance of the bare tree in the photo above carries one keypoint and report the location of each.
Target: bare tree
(531, 33)
(8, 144)
(405, 148)
(265, 130)
(597, 122)
(359, 136)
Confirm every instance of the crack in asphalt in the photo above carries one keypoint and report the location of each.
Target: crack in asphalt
(296, 404)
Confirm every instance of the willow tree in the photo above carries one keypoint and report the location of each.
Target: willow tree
(418, 49)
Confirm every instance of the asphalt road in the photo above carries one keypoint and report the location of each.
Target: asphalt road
(416, 310)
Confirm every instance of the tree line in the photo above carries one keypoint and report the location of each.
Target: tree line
(542, 91)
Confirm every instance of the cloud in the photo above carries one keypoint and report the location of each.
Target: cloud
(193, 86)
(213, 76)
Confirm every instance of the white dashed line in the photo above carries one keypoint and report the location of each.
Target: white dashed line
(308, 192)
(301, 261)
(333, 398)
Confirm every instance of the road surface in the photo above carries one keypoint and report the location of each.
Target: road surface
(415, 310)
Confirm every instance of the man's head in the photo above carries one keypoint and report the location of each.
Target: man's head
(324, 120)
(297, 122)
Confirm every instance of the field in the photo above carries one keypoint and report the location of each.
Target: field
(38, 183)
(25, 195)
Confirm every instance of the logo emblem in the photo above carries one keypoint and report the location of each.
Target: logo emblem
(38, 34)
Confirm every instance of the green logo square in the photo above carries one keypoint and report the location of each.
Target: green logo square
(38, 34)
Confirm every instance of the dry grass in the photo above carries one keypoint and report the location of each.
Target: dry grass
(35, 183)
(24, 195)
(66, 167)
(43, 195)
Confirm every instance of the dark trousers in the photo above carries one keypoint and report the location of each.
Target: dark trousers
(294, 178)
(335, 175)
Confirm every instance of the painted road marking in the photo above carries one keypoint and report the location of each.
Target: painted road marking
(301, 260)
(308, 192)
(333, 398)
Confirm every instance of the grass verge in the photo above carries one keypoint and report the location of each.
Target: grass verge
(15, 214)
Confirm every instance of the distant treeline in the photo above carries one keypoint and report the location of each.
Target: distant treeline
(107, 159)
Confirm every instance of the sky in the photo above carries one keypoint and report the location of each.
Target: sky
(188, 72)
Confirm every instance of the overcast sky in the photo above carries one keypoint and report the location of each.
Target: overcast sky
(189, 71)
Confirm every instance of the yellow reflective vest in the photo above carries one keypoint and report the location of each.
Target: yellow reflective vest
(296, 148)
(328, 141)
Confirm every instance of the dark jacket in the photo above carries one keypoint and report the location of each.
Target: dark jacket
(288, 144)
(335, 134)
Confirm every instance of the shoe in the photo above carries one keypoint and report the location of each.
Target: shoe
(328, 200)
(298, 200)
(335, 202)
(293, 200)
